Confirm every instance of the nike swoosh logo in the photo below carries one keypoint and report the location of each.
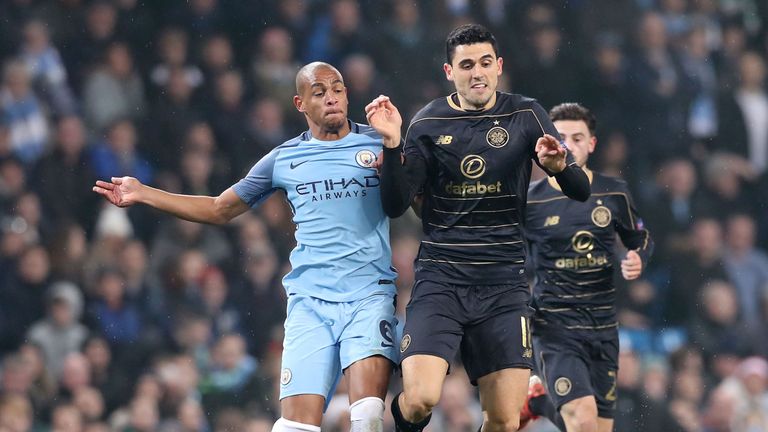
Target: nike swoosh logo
(296, 164)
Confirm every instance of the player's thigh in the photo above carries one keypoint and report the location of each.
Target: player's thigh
(423, 377)
(565, 367)
(369, 327)
(310, 362)
(604, 369)
(303, 408)
(502, 394)
(500, 337)
(368, 377)
(367, 346)
(434, 324)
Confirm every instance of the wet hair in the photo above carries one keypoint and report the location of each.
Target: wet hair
(468, 34)
(573, 111)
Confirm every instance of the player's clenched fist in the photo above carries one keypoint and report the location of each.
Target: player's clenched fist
(550, 153)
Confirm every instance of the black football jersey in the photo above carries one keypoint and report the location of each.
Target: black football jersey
(473, 169)
(573, 246)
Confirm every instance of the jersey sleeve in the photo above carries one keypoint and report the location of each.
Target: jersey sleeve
(402, 178)
(258, 184)
(631, 228)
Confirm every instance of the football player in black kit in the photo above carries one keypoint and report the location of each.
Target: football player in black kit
(574, 326)
(469, 156)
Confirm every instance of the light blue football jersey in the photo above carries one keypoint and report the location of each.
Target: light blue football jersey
(342, 249)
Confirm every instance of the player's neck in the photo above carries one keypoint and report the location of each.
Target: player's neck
(466, 106)
(333, 134)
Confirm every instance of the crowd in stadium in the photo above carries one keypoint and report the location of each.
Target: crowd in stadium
(132, 320)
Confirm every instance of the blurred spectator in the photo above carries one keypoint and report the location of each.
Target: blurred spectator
(66, 418)
(46, 68)
(16, 414)
(173, 113)
(42, 382)
(118, 156)
(743, 110)
(267, 130)
(274, 67)
(539, 71)
(114, 90)
(728, 180)
(60, 333)
(22, 113)
(232, 380)
(699, 68)
(61, 176)
(144, 416)
(106, 374)
(363, 84)
(656, 94)
(217, 303)
(717, 328)
(22, 300)
(337, 34)
(747, 267)
(173, 51)
(260, 292)
(693, 269)
(671, 212)
(13, 182)
(90, 45)
(112, 313)
(90, 403)
(227, 114)
(635, 410)
(177, 236)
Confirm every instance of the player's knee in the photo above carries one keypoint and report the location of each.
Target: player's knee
(421, 402)
(367, 415)
(581, 417)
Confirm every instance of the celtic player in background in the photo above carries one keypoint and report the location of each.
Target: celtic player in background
(575, 328)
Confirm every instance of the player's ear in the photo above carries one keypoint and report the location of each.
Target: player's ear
(500, 62)
(298, 103)
(592, 144)
(448, 71)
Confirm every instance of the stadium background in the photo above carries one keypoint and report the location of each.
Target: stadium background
(172, 326)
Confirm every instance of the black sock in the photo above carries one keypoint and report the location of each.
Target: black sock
(543, 406)
(403, 425)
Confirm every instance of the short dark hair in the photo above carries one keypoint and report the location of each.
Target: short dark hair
(468, 34)
(573, 111)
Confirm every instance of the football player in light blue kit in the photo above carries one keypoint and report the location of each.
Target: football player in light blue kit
(340, 315)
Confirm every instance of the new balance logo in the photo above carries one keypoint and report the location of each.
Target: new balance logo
(552, 221)
(444, 139)
(296, 164)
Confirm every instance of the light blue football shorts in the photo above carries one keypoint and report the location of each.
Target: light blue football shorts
(324, 338)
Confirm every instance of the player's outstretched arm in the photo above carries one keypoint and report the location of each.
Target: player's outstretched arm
(127, 191)
(553, 157)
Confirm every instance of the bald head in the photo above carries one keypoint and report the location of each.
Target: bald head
(306, 75)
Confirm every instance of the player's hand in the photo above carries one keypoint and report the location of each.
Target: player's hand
(121, 191)
(550, 153)
(631, 266)
(383, 116)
